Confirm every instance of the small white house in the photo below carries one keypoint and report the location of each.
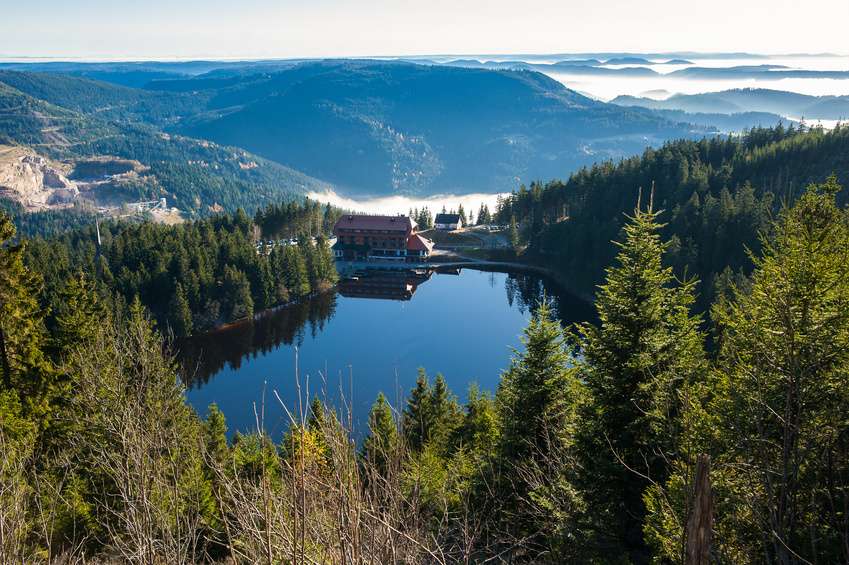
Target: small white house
(448, 222)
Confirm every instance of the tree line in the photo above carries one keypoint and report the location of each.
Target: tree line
(197, 275)
(587, 451)
(720, 193)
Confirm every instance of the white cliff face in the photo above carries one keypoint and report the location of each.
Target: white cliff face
(34, 181)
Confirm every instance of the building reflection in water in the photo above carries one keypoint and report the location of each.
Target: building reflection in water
(387, 285)
(202, 357)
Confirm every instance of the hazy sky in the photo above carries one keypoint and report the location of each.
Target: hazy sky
(312, 28)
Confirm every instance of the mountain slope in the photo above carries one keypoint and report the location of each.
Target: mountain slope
(717, 195)
(28, 120)
(195, 175)
(104, 100)
(749, 100)
(414, 129)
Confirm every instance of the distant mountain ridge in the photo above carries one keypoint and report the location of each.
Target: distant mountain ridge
(389, 127)
(748, 100)
(364, 127)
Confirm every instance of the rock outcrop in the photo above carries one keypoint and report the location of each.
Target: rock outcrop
(34, 181)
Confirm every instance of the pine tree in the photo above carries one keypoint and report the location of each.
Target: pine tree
(646, 347)
(479, 429)
(80, 312)
(416, 420)
(514, 234)
(483, 215)
(444, 414)
(777, 403)
(24, 368)
(327, 275)
(295, 272)
(537, 402)
(180, 313)
(382, 440)
(237, 294)
(315, 422)
(311, 259)
(215, 434)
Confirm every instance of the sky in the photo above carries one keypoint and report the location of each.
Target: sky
(165, 29)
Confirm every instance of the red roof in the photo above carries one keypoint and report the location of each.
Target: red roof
(365, 222)
(419, 243)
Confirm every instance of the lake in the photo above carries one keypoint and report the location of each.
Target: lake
(368, 336)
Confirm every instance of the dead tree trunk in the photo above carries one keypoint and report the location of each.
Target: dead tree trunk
(700, 522)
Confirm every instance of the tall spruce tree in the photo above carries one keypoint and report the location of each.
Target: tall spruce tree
(537, 404)
(25, 370)
(416, 419)
(776, 413)
(514, 234)
(295, 272)
(237, 293)
(79, 314)
(445, 414)
(180, 312)
(646, 346)
(382, 440)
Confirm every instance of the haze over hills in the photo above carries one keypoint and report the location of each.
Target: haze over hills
(748, 100)
(238, 133)
(367, 127)
(376, 128)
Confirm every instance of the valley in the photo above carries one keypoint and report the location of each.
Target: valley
(476, 308)
(98, 184)
(361, 132)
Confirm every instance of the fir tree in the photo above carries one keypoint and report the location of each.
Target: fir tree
(315, 422)
(382, 440)
(180, 312)
(215, 434)
(237, 291)
(295, 272)
(79, 314)
(24, 368)
(646, 347)
(537, 403)
(416, 420)
(479, 430)
(514, 234)
(444, 414)
(776, 410)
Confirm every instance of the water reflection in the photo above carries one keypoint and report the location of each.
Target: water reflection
(380, 327)
(204, 356)
(386, 285)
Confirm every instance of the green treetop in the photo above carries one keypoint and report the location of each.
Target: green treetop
(645, 348)
(778, 401)
(537, 403)
(382, 440)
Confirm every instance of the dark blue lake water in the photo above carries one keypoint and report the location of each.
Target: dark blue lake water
(370, 336)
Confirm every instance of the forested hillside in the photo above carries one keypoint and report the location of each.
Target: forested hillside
(372, 127)
(194, 276)
(107, 101)
(623, 441)
(717, 196)
(80, 118)
(376, 128)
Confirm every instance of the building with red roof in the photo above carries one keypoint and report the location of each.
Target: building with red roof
(360, 236)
